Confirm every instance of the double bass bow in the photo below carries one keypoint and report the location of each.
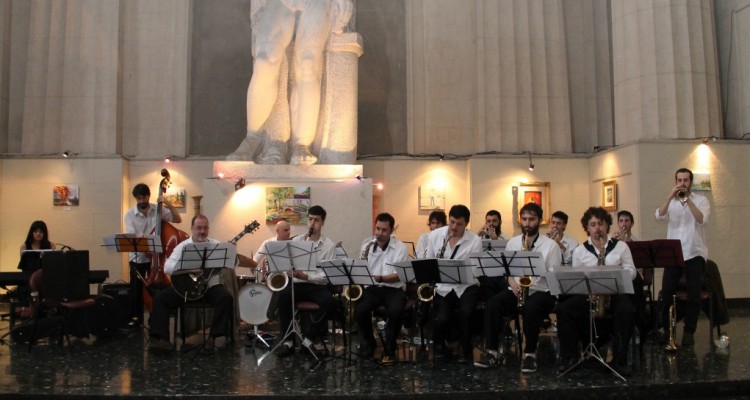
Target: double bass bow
(170, 236)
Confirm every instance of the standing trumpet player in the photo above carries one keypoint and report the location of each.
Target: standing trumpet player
(557, 225)
(537, 305)
(381, 252)
(686, 214)
(573, 311)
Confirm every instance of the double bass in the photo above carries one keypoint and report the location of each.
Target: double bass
(170, 236)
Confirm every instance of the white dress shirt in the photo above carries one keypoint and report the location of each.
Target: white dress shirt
(143, 224)
(421, 249)
(620, 255)
(172, 262)
(683, 226)
(325, 249)
(380, 262)
(570, 244)
(469, 243)
(262, 251)
(551, 253)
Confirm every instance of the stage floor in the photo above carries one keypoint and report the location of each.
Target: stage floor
(122, 366)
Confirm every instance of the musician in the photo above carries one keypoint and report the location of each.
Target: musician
(686, 213)
(37, 238)
(167, 301)
(537, 305)
(625, 222)
(436, 220)
(381, 252)
(491, 229)
(283, 232)
(309, 286)
(142, 220)
(573, 311)
(453, 242)
(557, 225)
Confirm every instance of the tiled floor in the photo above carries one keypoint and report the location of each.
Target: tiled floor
(122, 366)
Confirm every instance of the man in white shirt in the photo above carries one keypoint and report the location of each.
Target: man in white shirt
(491, 229)
(168, 300)
(454, 242)
(436, 220)
(142, 220)
(537, 305)
(308, 286)
(381, 252)
(557, 225)
(283, 232)
(573, 311)
(625, 222)
(686, 213)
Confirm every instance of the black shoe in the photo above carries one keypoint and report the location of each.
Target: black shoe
(528, 365)
(567, 364)
(486, 360)
(284, 351)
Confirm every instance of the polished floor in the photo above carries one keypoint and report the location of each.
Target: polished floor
(121, 366)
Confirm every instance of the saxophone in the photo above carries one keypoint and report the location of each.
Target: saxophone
(601, 302)
(524, 281)
(354, 292)
(441, 253)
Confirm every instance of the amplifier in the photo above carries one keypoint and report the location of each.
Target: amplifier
(121, 293)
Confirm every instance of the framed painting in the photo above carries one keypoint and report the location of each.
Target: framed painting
(535, 192)
(609, 195)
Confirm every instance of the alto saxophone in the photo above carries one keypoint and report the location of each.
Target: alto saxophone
(441, 253)
(355, 292)
(601, 302)
(524, 281)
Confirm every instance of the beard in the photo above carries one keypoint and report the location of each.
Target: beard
(530, 231)
(142, 206)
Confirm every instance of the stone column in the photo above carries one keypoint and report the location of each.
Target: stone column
(337, 124)
(665, 75)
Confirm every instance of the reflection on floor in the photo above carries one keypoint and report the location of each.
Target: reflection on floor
(122, 366)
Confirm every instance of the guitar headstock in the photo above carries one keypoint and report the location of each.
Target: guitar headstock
(251, 227)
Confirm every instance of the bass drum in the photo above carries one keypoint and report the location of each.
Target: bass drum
(254, 300)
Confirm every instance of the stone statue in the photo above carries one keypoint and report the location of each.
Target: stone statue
(274, 24)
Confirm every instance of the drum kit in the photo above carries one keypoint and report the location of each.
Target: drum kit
(254, 300)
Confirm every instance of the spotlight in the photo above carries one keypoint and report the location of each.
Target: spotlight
(220, 175)
(379, 186)
(531, 164)
(239, 184)
(442, 157)
(66, 154)
(597, 148)
(709, 139)
(168, 159)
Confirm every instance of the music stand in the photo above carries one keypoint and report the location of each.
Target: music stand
(605, 280)
(494, 245)
(134, 243)
(202, 262)
(286, 256)
(348, 272)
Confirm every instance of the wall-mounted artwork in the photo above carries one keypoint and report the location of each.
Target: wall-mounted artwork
(701, 182)
(65, 195)
(287, 203)
(431, 197)
(609, 195)
(535, 192)
(176, 196)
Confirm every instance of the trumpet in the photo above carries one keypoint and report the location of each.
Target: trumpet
(353, 292)
(682, 195)
(671, 342)
(554, 234)
(425, 292)
(277, 281)
(487, 232)
(622, 235)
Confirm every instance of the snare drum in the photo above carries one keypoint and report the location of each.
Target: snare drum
(254, 300)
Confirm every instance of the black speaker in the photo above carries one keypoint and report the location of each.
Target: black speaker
(120, 292)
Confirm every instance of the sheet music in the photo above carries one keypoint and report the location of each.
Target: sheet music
(509, 263)
(339, 272)
(206, 255)
(494, 245)
(288, 255)
(606, 280)
(131, 242)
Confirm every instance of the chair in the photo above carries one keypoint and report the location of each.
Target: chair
(309, 306)
(410, 306)
(706, 297)
(51, 307)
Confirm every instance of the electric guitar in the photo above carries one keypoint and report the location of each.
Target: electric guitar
(192, 285)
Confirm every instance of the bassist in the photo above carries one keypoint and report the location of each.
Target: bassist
(142, 220)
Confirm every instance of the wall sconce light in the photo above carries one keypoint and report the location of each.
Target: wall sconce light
(709, 139)
(66, 154)
(378, 185)
(168, 159)
(531, 164)
(239, 184)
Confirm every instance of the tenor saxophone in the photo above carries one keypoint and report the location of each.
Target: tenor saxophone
(524, 281)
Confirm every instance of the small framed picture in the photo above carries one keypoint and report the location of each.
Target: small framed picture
(609, 195)
(535, 192)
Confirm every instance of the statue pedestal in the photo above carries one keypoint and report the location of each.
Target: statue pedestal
(285, 172)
